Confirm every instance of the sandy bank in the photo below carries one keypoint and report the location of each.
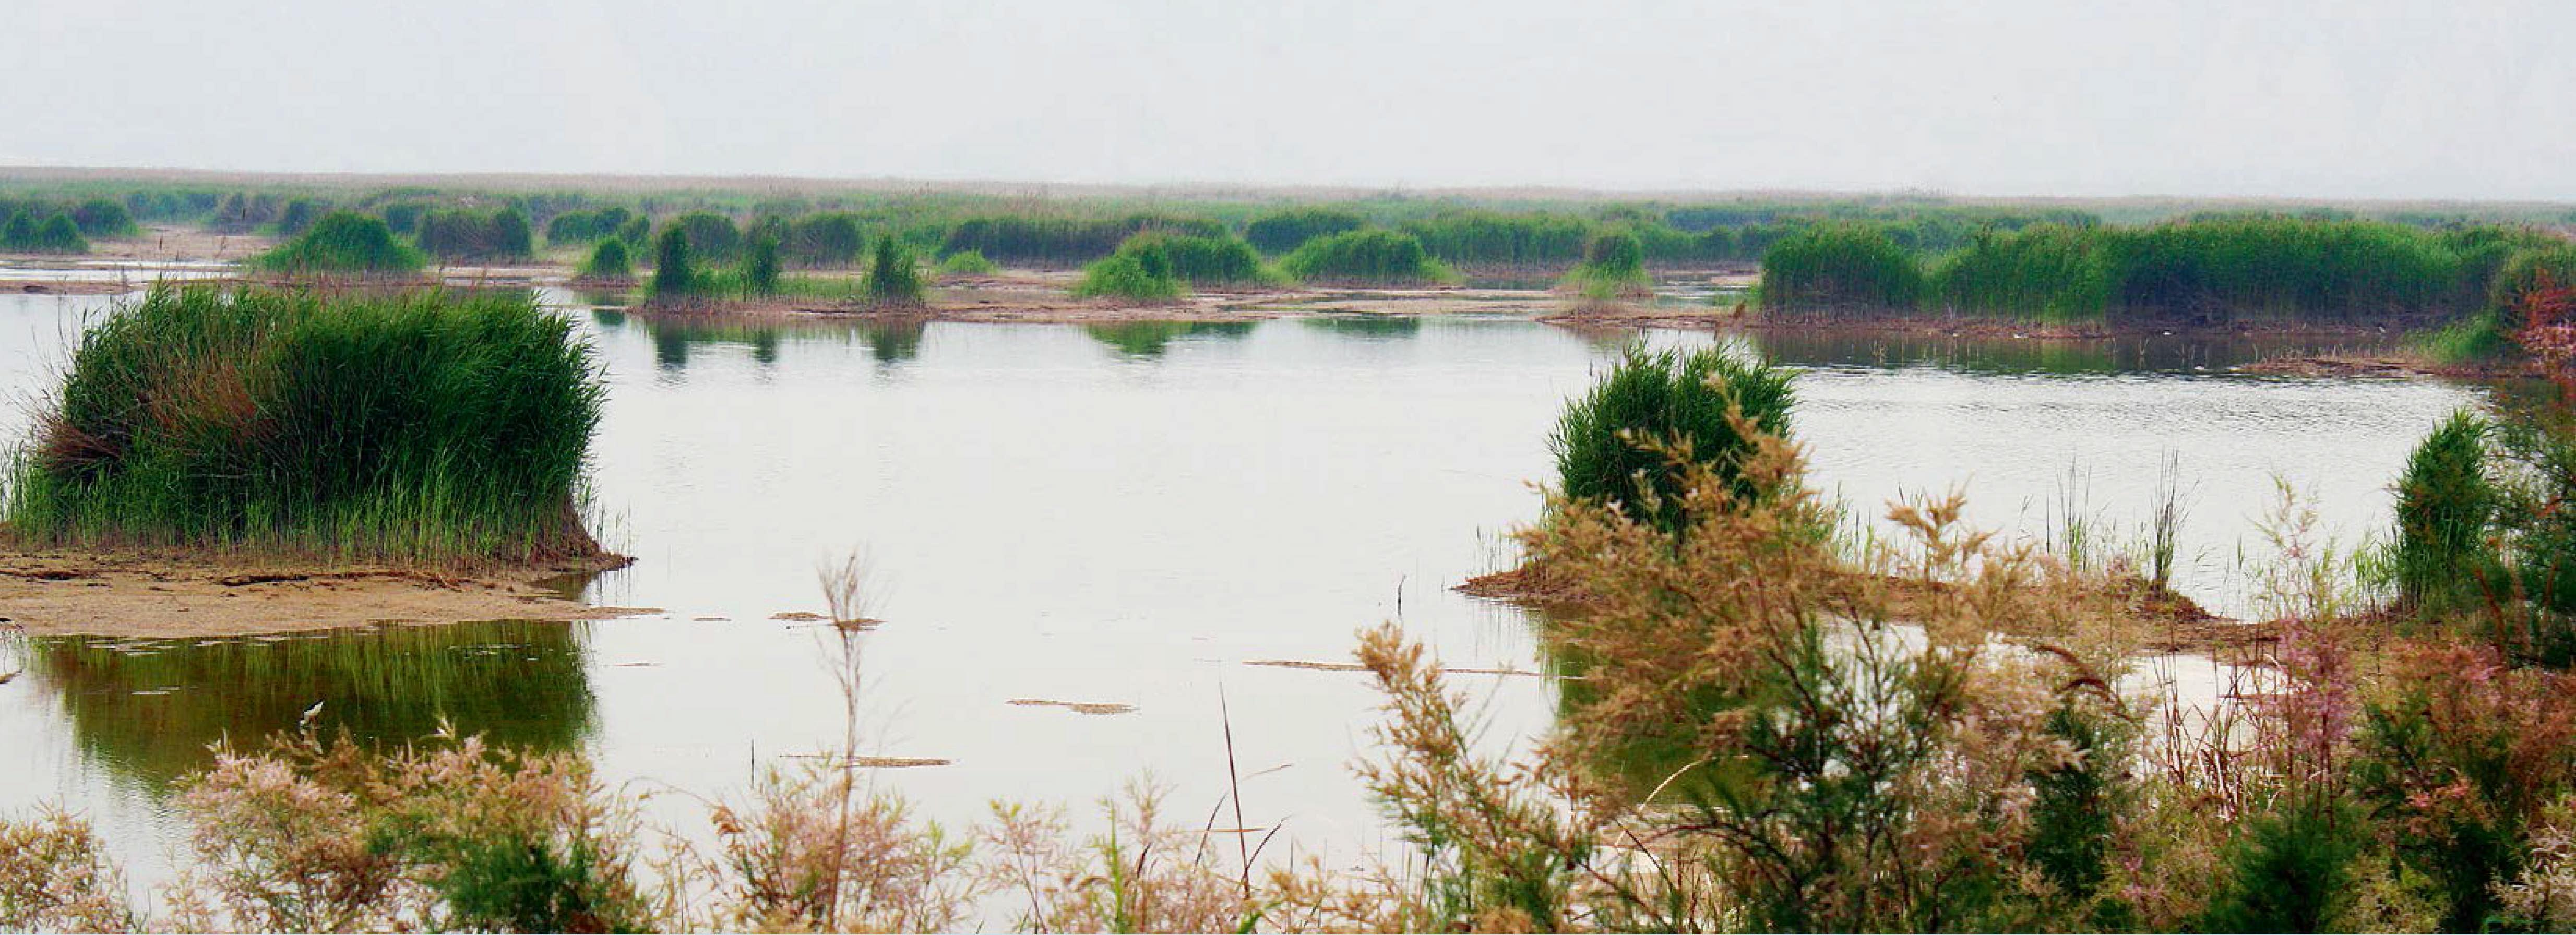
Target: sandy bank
(46, 593)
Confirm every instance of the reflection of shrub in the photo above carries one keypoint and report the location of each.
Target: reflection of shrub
(422, 426)
(1610, 444)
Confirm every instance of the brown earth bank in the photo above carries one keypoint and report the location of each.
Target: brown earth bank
(46, 592)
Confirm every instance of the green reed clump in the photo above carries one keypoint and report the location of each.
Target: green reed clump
(760, 266)
(1202, 261)
(1491, 239)
(1283, 231)
(2444, 503)
(608, 261)
(420, 426)
(1614, 267)
(893, 277)
(343, 242)
(1611, 445)
(56, 234)
(969, 263)
(1141, 272)
(1840, 267)
(476, 236)
(712, 237)
(1063, 241)
(2045, 272)
(298, 216)
(2530, 271)
(104, 218)
(824, 240)
(674, 276)
(1379, 257)
(588, 225)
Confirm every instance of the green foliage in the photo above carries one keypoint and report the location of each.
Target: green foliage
(2291, 870)
(1608, 444)
(57, 234)
(760, 266)
(893, 278)
(1141, 271)
(589, 225)
(712, 237)
(1491, 239)
(1614, 266)
(825, 240)
(421, 426)
(527, 883)
(104, 218)
(1199, 261)
(475, 236)
(673, 275)
(404, 216)
(2480, 337)
(2444, 504)
(2530, 270)
(608, 261)
(2075, 814)
(2045, 272)
(969, 263)
(343, 242)
(1840, 267)
(1059, 241)
(1365, 256)
(298, 216)
(1284, 231)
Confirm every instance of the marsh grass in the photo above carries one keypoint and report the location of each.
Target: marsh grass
(425, 426)
(967, 263)
(1142, 274)
(1613, 268)
(343, 242)
(608, 262)
(57, 233)
(1844, 267)
(1611, 445)
(2444, 505)
(1366, 257)
(893, 277)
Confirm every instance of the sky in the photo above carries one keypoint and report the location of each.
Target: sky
(2467, 99)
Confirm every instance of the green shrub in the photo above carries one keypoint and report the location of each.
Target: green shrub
(1841, 266)
(1142, 272)
(2290, 870)
(1607, 442)
(587, 226)
(2528, 271)
(2483, 336)
(893, 278)
(2045, 272)
(608, 261)
(1201, 261)
(760, 266)
(1492, 239)
(421, 426)
(969, 263)
(342, 242)
(104, 218)
(475, 236)
(298, 216)
(1063, 241)
(824, 240)
(2444, 503)
(1614, 267)
(1365, 256)
(673, 276)
(1284, 231)
(712, 237)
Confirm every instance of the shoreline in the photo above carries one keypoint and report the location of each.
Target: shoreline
(173, 595)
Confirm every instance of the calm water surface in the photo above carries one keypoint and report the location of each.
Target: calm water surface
(1126, 515)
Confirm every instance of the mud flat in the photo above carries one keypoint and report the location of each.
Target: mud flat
(157, 595)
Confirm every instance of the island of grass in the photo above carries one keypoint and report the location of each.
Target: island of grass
(343, 243)
(1366, 258)
(299, 434)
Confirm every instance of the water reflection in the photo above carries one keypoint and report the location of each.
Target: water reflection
(1369, 327)
(894, 341)
(148, 709)
(2161, 354)
(1146, 340)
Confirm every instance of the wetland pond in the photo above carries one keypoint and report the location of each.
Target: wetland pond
(1131, 515)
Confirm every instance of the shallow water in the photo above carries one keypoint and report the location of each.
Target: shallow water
(1128, 514)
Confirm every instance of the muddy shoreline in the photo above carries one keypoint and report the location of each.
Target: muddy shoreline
(62, 592)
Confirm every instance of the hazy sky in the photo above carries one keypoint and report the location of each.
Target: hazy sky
(2369, 98)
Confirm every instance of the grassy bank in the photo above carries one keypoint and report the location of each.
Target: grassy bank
(424, 427)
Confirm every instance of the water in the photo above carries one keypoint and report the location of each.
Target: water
(1126, 515)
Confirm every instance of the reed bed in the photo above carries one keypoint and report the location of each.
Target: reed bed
(343, 242)
(421, 427)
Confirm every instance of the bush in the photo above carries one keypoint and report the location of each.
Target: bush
(712, 237)
(2444, 503)
(1609, 444)
(298, 216)
(825, 240)
(476, 236)
(893, 279)
(57, 234)
(1614, 267)
(1365, 256)
(1284, 231)
(1063, 241)
(342, 242)
(587, 226)
(608, 261)
(1141, 272)
(421, 426)
(104, 218)
(672, 274)
(1829, 267)
(760, 266)
(1486, 238)
(969, 263)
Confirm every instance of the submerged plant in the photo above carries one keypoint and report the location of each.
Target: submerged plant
(423, 426)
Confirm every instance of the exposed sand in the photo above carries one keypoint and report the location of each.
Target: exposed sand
(44, 593)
